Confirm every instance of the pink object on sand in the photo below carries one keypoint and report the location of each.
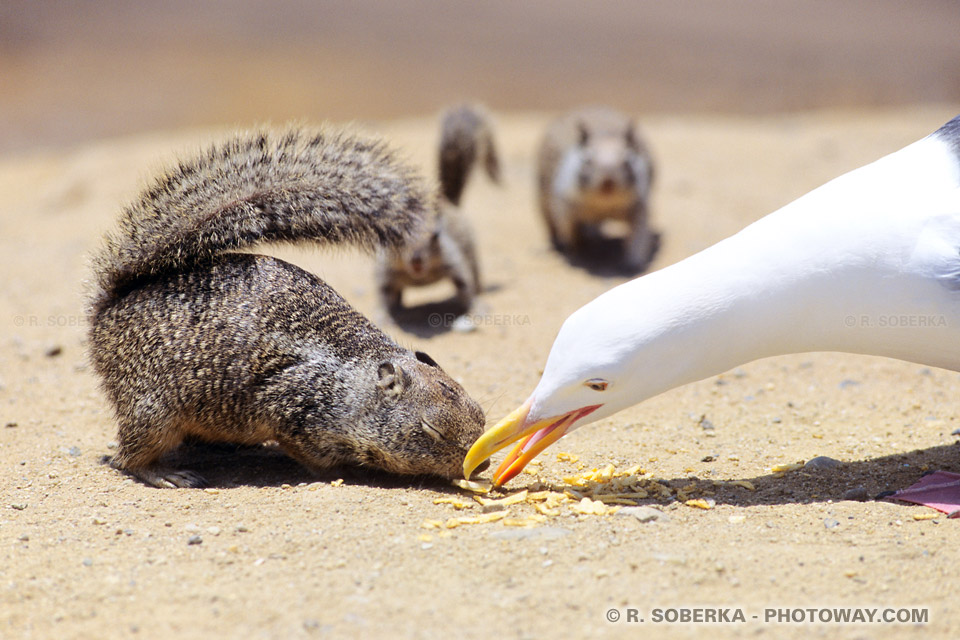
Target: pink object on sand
(940, 490)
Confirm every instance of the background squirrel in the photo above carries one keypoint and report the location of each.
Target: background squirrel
(192, 340)
(445, 248)
(593, 166)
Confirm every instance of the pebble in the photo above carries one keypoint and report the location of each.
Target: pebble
(848, 383)
(10, 425)
(53, 351)
(541, 533)
(19, 506)
(955, 432)
(24, 537)
(644, 514)
(859, 494)
(822, 462)
(830, 523)
(195, 540)
(87, 562)
(464, 324)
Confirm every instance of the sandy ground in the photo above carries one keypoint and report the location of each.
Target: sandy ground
(88, 553)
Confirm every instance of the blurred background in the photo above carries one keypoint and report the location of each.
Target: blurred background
(72, 71)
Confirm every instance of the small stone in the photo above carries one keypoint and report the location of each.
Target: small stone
(74, 452)
(194, 540)
(53, 351)
(860, 494)
(112, 445)
(540, 533)
(831, 523)
(242, 528)
(822, 462)
(707, 459)
(776, 420)
(955, 432)
(192, 528)
(644, 514)
(214, 531)
(24, 537)
(464, 324)
(19, 506)
(87, 562)
(99, 521)
(10, 425)
(848, 383)
(705, 424)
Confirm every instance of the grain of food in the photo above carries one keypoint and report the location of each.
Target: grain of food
(784, 468)
(456, 503)
(472, 485)
(515, 498)
(700, 503)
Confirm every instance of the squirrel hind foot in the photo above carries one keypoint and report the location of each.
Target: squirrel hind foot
(166, 478)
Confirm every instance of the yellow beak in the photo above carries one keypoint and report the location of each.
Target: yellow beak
(538, 436)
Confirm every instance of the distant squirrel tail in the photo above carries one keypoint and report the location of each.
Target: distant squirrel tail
(292, 185)
(466, 136)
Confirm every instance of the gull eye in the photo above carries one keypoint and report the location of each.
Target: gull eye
(597, 384)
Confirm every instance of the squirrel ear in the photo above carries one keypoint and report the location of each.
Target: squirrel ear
(425, 359)
(391, 378)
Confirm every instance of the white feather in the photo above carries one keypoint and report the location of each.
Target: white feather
(868, 263)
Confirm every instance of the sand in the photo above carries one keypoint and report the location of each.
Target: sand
(277, 553)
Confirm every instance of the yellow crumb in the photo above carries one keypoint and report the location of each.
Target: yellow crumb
(457, 503)
(470, 485)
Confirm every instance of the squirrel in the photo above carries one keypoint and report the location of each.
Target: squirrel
(191, 339)
(445, 248)
(594, 166)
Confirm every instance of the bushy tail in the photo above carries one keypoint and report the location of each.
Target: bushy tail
(292, 185)
(466, 136)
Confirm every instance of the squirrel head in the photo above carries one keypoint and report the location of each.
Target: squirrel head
(428, 420)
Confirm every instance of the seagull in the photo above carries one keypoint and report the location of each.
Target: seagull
(867, 263)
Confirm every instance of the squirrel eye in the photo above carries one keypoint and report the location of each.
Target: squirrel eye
(597, 384)
(431, 430)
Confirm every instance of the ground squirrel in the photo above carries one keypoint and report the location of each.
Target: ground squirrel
(191, 340)
(446, 247)
(593, 166)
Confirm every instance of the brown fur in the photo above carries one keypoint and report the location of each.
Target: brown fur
(594, 166)
(192, 340)
(445, 248)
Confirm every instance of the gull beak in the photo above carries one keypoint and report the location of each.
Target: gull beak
(537, 436)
